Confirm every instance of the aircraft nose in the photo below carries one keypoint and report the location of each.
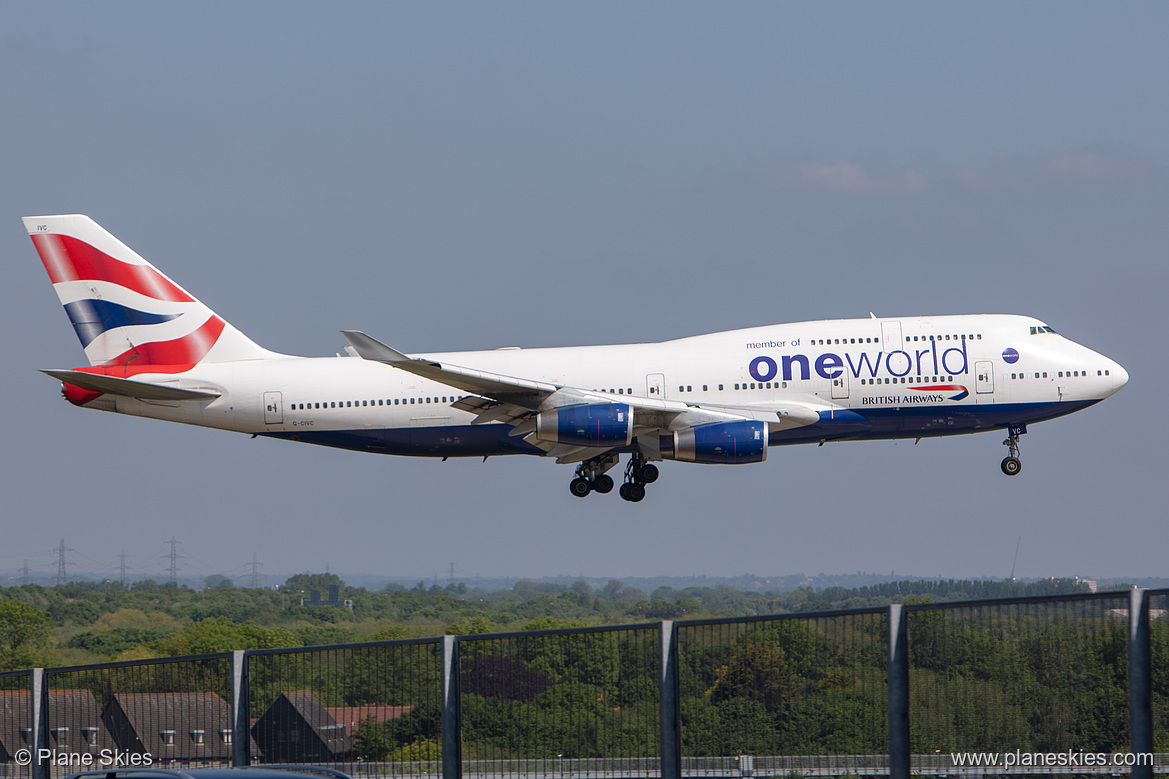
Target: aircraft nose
(1119, 377)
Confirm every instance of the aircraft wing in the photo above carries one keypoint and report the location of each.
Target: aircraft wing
(517, 391)
(516, 401)
(112, 385)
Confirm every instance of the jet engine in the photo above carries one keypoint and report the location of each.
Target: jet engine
(587, 424)
(729, 443)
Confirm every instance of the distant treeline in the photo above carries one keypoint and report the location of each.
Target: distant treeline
(86, 622)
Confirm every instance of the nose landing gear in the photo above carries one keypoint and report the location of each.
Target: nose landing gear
(1011, 464)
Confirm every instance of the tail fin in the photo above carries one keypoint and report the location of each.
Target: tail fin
(127, 313)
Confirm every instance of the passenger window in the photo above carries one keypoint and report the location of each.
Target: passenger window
(720, 386)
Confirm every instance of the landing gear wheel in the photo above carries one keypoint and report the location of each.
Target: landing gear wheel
(647, 474)
(590, 475)
(632, 491)
(603, 484)
(1011, 464)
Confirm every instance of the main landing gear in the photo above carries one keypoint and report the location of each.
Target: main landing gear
(1011, 464)
(591, 477)
(638, 473)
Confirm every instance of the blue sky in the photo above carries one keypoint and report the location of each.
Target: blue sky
(458, 176)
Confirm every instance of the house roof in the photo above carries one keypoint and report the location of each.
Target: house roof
(74, 718)
(307, 709)
(352, 717)
(171, 725)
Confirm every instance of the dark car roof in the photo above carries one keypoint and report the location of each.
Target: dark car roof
(243, 772)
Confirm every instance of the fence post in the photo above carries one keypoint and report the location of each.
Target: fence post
(452, 737)
(240, 709)
(898, 693)
(39, 722)
(670, 716)
(1140, 708)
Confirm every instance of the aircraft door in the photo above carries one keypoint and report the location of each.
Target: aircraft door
(984, 377)
(893, 346)
(655, 385)
(273, 409)
(840, 385)
(891, 337)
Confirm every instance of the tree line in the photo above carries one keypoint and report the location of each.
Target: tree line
(90, 622)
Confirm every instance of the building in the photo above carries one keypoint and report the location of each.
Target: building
(351, 718)
(334, 598)
(173, 726)
(296, 728)
(75, 723)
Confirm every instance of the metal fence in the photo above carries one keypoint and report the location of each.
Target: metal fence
(869, 692)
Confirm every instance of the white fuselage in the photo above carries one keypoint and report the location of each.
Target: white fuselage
(907, 377)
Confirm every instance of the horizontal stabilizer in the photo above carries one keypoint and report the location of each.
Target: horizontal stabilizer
(111, 385)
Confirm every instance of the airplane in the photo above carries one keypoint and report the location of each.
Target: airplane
(156, 351)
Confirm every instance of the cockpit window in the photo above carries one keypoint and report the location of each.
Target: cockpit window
(1041, 329)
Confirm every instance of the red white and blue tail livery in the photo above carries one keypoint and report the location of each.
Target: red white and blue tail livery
(155, 350)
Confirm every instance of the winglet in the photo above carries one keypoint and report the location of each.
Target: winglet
(369, 348)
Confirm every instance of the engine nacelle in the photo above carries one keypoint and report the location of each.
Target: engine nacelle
(729, 443)
(587, 424)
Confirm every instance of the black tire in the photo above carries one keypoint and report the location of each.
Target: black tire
(632, 492)
(580, 487)
(648, 474)
(1011, 466)
(603, 484)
